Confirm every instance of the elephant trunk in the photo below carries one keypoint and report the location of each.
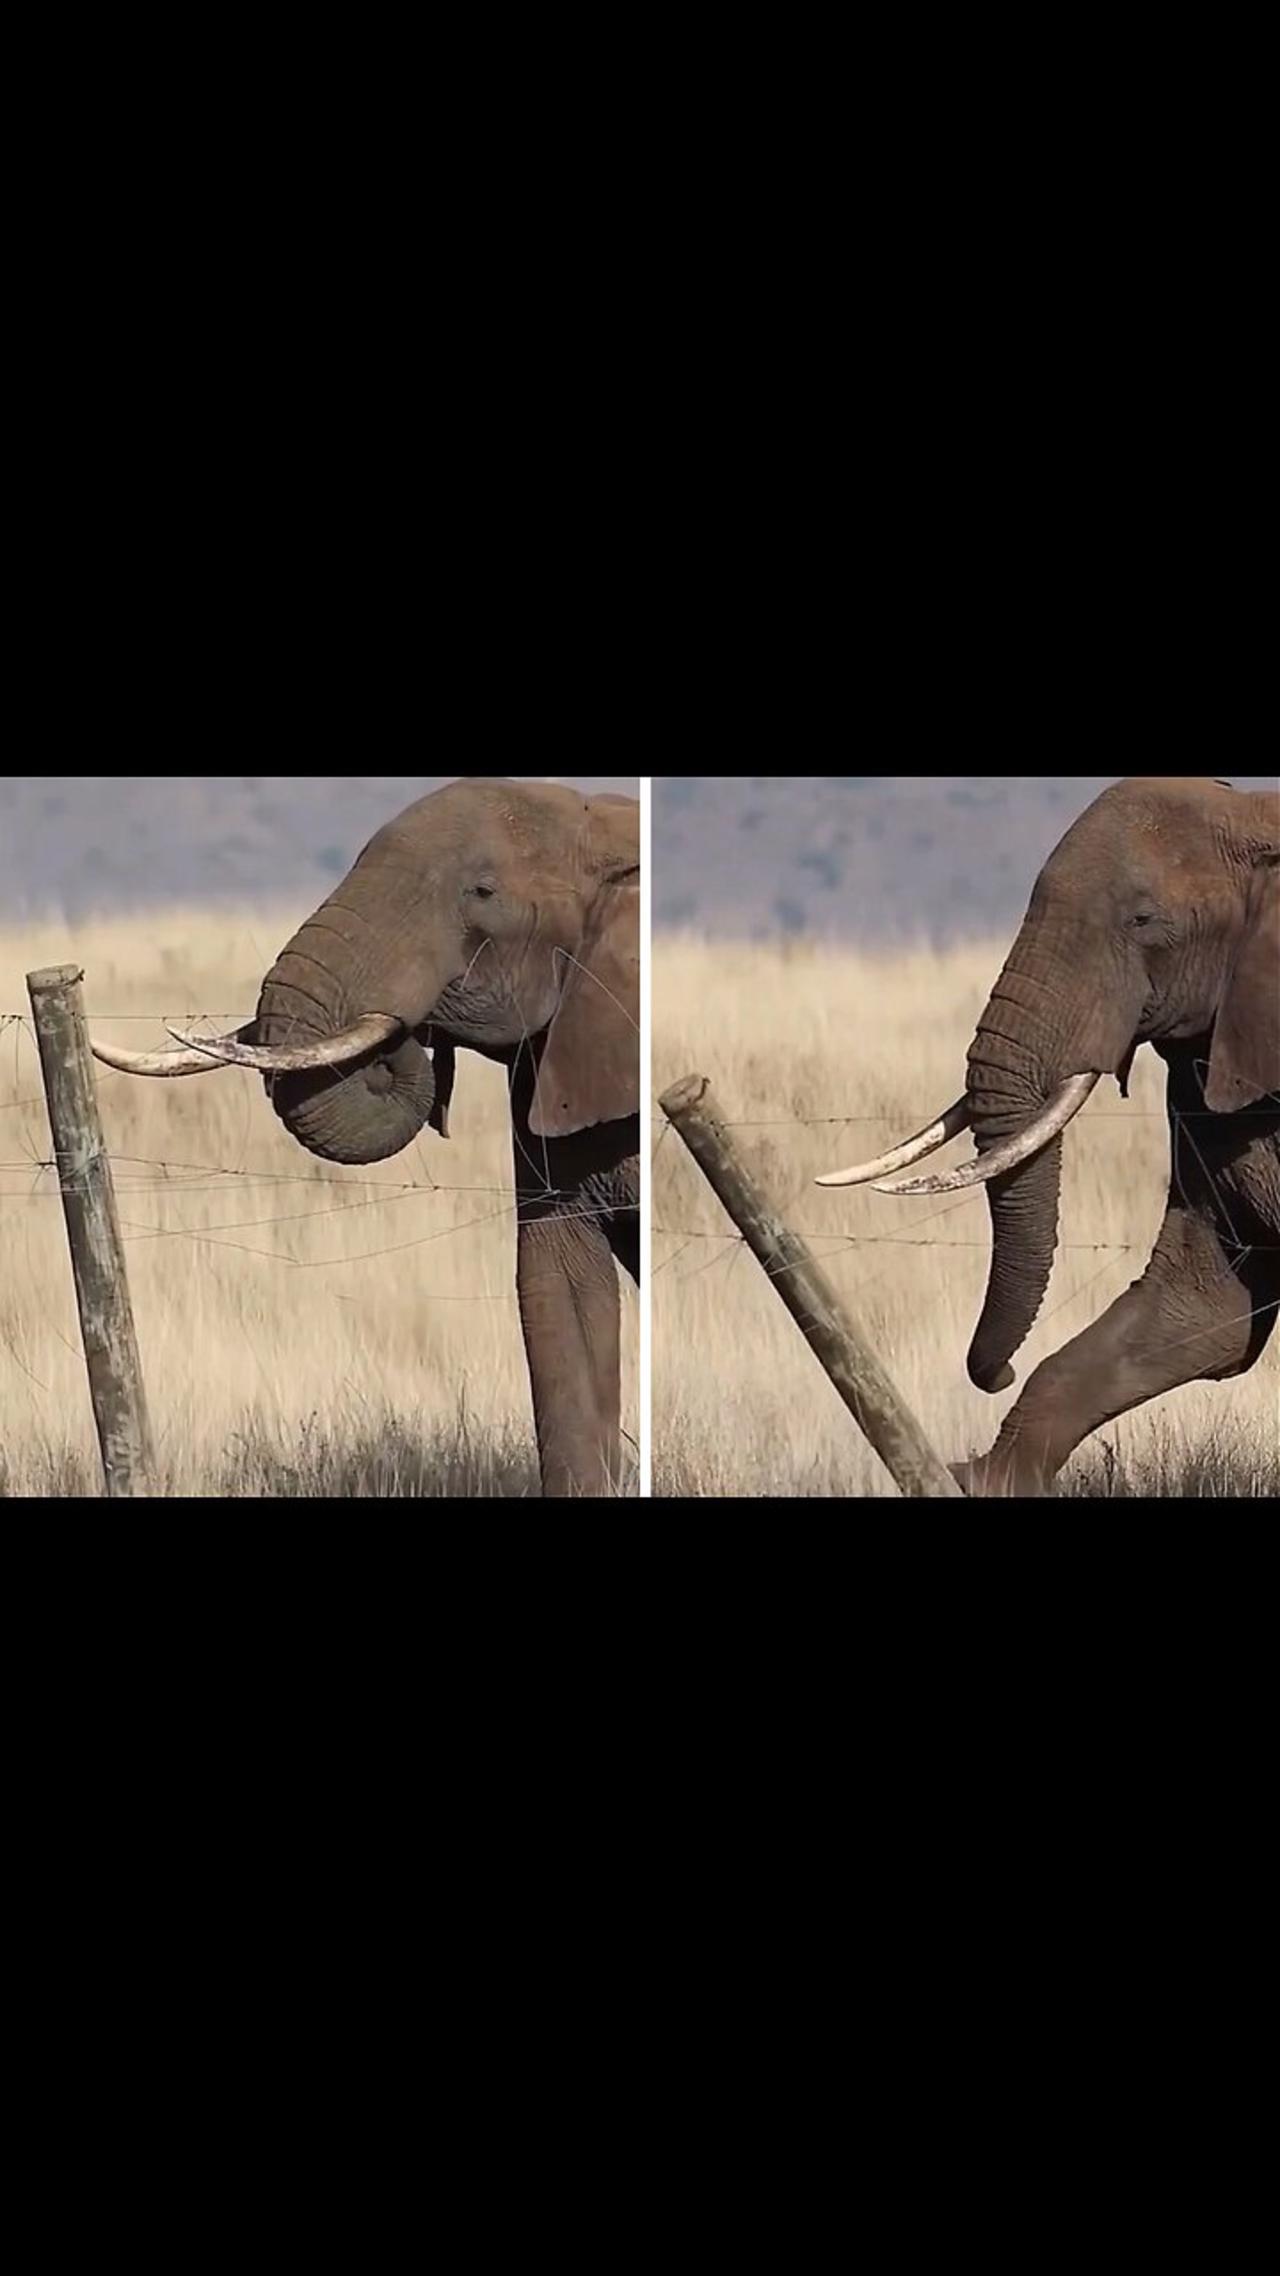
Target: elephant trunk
(325, 979)
(1011, 1077)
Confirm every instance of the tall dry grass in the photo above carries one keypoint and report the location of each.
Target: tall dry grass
(791, 1034)
(304, 1328)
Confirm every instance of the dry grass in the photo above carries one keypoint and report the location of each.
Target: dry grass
(797, 1032)
(286, 1352)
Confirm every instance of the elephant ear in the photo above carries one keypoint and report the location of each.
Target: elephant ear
(1244, 1063)
(590, 1069)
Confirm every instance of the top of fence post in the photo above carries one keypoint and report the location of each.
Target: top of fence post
(53, 977)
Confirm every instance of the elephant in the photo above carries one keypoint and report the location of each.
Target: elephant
(1155, 920)
(501, 918)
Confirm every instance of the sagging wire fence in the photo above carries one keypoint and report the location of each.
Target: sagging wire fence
(81, 1173)
(139, 1177)
(909, 1236)
(75, 1165)
(851, 1351)
(832, 1247)
(839, 1246)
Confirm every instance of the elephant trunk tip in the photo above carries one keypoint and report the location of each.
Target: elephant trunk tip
(991, 1376)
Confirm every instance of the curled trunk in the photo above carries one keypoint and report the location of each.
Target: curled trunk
(364, 1113)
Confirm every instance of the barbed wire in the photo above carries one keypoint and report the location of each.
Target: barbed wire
(183, 1180)
(1257, 1311)
(186, 1179)
(157, 1019)
(386, 1195)
(142, 1177)
(387, 1188)
(212, 1236)
(882, 1240)
(209, 1239)
(917, 1114)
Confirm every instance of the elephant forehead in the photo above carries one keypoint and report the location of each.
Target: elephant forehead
(1147, 831)
(1168, 791)
(530, 815)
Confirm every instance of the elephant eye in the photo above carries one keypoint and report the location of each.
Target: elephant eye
(484, 892)
(1140, 922)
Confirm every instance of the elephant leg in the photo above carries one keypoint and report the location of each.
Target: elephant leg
(1193, 1315)
(571, 1315)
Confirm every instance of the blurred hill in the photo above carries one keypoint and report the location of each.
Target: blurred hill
(860, 857)
(76, 845)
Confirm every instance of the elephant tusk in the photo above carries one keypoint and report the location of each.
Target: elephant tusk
(192, 1062)
(369, 1034)
(956, 1119)
(1031, 1139)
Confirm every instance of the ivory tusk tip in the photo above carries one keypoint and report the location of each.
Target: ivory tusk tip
(917, 1149)
(152, 1062)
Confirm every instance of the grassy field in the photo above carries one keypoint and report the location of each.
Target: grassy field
(796, 1039)
(303, 1328)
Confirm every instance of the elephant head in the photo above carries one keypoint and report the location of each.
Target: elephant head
(490, 914)
(1157, 919)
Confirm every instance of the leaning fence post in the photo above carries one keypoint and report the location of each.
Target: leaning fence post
(93, 1232)
(855, 1371)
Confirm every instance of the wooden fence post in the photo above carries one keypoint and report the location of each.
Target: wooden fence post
(810, 1298)
(93, 1231)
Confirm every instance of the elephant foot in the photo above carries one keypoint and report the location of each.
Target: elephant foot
(987, 1478)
